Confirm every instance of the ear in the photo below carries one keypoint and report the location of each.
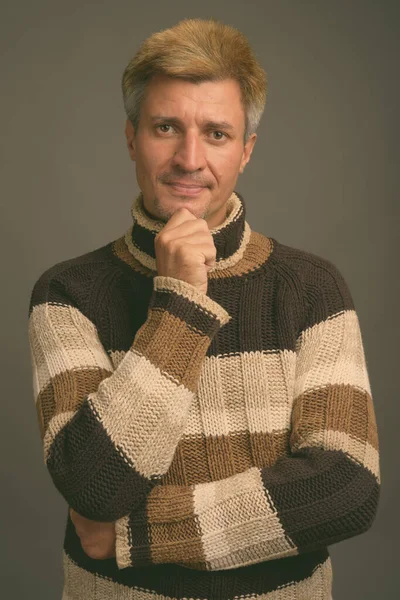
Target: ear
(130, 139)
(248, 149)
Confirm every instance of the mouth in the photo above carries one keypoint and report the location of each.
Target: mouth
(186, 189)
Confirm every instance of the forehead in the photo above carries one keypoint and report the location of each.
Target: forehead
(213, 100)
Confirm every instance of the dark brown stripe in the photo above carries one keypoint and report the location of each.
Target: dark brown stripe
(94, 476)
(321, 497)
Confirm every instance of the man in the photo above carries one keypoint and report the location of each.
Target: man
(201, 389)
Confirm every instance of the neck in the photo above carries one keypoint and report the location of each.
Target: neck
(230, 237)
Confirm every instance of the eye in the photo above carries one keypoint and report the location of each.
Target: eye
(164, 128)
(220, 135)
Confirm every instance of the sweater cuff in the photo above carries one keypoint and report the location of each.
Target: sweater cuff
(131, 552)
(183, 290)
(122, 543)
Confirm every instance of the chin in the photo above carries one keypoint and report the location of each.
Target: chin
(166, 206)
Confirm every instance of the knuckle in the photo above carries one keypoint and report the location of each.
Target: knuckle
(159, 239)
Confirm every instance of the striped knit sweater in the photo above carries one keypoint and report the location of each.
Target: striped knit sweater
(230, 436)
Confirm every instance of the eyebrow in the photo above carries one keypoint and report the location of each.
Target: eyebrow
(207, 124)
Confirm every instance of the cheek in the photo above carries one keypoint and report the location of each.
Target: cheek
(226, 167)
(152, 160)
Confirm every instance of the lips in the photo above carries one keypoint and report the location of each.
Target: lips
(186, 189)
(186, 185)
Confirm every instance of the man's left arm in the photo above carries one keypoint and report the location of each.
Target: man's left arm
(325, 491)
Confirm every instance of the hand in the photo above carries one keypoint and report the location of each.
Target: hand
(97, 538)
(185, 249)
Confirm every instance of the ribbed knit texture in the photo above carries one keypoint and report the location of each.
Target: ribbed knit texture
(230, 435)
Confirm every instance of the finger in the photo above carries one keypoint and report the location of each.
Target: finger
(187, 228)
(199, 238)
(180, 216)
(208, 252)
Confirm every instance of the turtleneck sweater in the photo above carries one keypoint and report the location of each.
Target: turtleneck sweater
(229, 435)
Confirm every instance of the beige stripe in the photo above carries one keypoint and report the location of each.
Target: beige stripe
(143, 413)
(116, 357)
(122, 545)
(239, 529)
(331, 353)
(79, 584)
(78, 348)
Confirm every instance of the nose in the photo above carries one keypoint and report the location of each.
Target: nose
(189, 153)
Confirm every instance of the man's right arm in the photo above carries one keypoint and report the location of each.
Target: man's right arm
(108, 434)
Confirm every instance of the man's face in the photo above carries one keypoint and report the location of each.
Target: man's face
(189, 147)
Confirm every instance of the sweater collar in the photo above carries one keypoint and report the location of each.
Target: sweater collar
(230, 237)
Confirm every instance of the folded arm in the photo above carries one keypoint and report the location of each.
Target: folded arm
(325, 491)
(110, 434)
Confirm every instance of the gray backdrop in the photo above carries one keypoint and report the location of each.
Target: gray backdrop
(322, 178)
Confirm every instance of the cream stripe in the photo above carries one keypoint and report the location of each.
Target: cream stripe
(122, 547)
(233, 396)
(79, 584)
(143, 412)
(239, 527)
(251, 392)
(331, 353)
(79, 347)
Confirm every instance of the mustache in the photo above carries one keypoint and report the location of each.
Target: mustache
(185, 178)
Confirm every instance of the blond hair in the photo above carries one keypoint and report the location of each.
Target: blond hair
(197, 50)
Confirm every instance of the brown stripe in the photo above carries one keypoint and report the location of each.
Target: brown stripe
(162, 338)
(66, 392)
(256, 254)
(179, 502)
(204, 459)
(120, 250)
(339, 407)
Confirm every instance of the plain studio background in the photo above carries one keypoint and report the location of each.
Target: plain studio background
(322, 178)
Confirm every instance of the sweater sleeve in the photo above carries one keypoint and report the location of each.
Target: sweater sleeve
(110, 434)
(324, 491)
